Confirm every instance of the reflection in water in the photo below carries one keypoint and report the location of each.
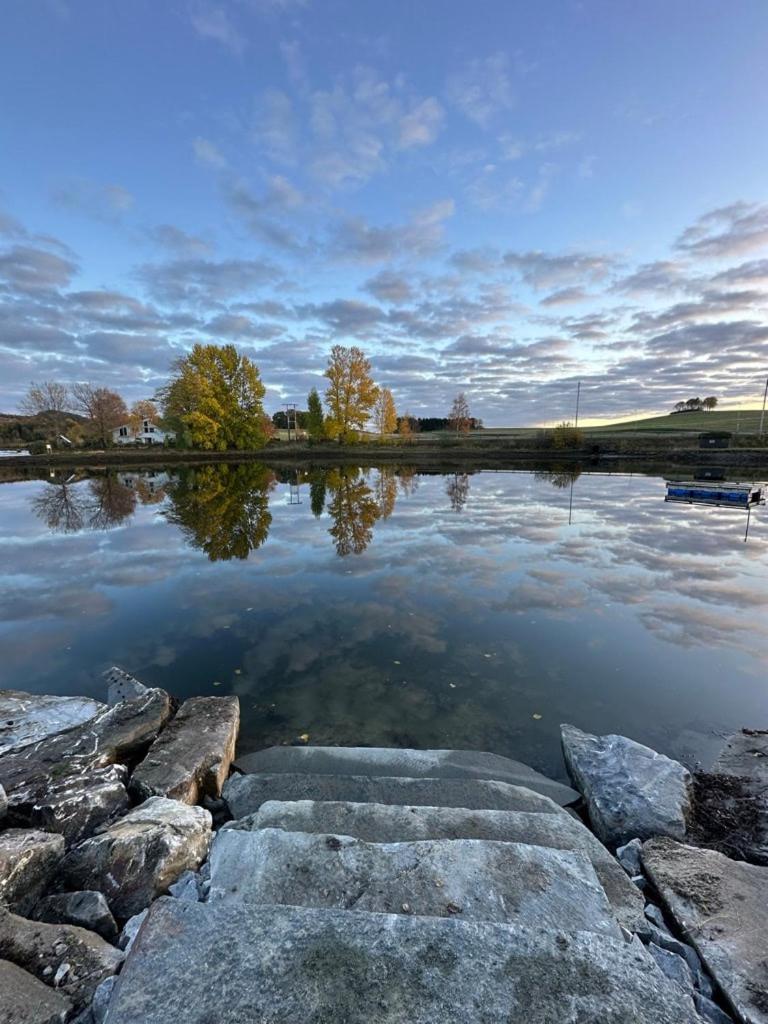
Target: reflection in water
(317, 492)
(559, 477)
(353, 510)
(223, 509)
(457, 489)
(68, 506)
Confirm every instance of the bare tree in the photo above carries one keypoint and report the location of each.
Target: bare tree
(104, 408)
(458, 417)
(48, 396)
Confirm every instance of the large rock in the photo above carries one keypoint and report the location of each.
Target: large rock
(246, 793)
(3, 804)
(57, 781)
(25, 1000)
(28, 861)
(380, 823)
(411, 764)
(482, 881)
(140, 855)
(721, 906)
(289, 964)
(738, 789)
(191, 757)
(30, 717)
(122, 686)
(631, 791)
(72, 960)
(86, 909)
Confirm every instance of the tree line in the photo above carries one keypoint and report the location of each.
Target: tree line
(696, 405)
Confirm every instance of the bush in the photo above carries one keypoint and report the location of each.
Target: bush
(566, 436)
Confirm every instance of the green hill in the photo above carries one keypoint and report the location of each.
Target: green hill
(745, 421)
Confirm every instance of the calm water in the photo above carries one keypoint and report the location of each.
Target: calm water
(386, 608)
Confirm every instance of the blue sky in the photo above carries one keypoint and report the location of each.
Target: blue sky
(497, 197)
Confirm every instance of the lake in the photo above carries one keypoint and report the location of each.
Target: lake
(395, 607)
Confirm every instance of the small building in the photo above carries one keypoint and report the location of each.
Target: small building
(147, 432)
(715, 439)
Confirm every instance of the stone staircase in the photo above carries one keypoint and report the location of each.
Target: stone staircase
(389, 886)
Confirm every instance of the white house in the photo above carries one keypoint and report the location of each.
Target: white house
(147, 433)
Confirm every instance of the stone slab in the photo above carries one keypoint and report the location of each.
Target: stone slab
(412, 764)
(121, 686)
(381, 823)
(28, 861)
(482, 881)
(744, 761)
(721, 906)
(191, 757)
(25, 1000)
(285, 965)
(745, 754)
(30, 717)
(631, 791)
(246, 793)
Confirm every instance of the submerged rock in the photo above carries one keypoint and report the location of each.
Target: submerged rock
(28, 861)
(138, 857)
(30, 717)
(86, 909)
(191, 758)
(25, 1000)
(721, 905)
(631, 790)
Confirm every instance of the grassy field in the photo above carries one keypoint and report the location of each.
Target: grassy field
(746, 421)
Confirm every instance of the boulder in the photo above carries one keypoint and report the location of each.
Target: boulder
(3, 803)
(673, 966)
(140, 855)
(72, 960)
(191, 757)
(25, 1000)
(733, 798)
(101, 999)
(631, 791)
(629, 857)
(122, 686)
(291, 964)
(30, 717)
(86, 909)
(721, 906)
(131, 930)
(28, 861)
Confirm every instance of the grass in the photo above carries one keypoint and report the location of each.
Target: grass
(745, 421)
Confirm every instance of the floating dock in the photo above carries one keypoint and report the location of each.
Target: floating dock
(731, 495)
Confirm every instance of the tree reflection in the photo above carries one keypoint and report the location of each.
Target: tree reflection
(67, 506)
(223, 509)
(353, 509)
(559, 476)
(457, 489)
(317, 492)
(386, 491)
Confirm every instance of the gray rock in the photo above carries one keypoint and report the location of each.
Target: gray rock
(745, 755)
(187, 887)
(649, 932)
(629, 857)
(722, 907)
(709, 1011)
(58, 778)
(85, 909)
(191, 757)
(131, 930)
(631, 791)
(482, 881)
(744, 760)
(139, 856)
(101, 998)
(246, 793)
(28, 861)
(71, 959)
(381, 823)
(30, 717)
(289, 964)
(412, 764)
(122, 686)
(25, 1000)
(655, 916)
(3, 803)
(673, 966)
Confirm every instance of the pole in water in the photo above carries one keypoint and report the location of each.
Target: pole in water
(762, 414)
(578, 394)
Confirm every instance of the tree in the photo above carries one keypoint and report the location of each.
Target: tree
(459, 417)
(692, 404)
(457, 490)
(404, 425)
(214, 399)
(104, 408)
(351, 392)
(709, 403)
(384, 413)
(48, 396)
(353, 511)
(314, 415)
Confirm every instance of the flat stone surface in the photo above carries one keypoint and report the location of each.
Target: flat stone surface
(631, 791)
(413, 764)
(25, 1000)
(122, 686)
(42, 949)
(191, 757)
(140, 855)
(28, 861)
(30, 717)
(482, 881)
(745, 754)
(744, 760)
(285, 965)
(381, 823)
(246, 793)
(85, 909)
(721, 905)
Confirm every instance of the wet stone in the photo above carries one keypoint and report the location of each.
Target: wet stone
(28, 861)
(30, 717)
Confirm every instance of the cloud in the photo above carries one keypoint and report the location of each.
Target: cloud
(388, 286)
(213, 22)
(207, 153)
(205, 281)
(275, 130)
(178, 242)
(728, 231)
(27, 269)
(660, 276)
(355, 240)
(483, 89)
(102, 202)
(565, 297)
(421, 126)
(548, 270)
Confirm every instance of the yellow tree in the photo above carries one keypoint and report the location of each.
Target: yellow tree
(384, 412)
(404, 425)
(142, 410)
(351, 392)
(459, 414)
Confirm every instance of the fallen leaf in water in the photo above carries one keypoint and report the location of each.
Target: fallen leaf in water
(304, 737)
(217, 682)
(238, 671)
(452, 685)
(537, 717)
(395, 662)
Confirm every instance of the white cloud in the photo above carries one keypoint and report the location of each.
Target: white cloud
(421, 126)
(213, 22)
(207, 153)
(483, 89)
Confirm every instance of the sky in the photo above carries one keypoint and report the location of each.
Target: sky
(497, 197)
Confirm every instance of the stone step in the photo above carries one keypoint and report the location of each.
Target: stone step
(381, 823)
(287, 965)
(412, 764)
(246, 793)
(481, 881)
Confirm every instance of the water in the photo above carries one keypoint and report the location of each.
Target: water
(393, 608)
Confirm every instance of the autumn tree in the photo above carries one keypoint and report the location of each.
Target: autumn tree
(404, 425)
(144, 409)
(104, 408)
(458, 417)
(353, 511)
(214, 399)
(351, 392)
(314, 415)
(384, 412)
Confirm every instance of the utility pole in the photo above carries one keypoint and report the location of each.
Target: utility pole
(762, 414)
(290, 407)
(578, 395)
